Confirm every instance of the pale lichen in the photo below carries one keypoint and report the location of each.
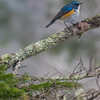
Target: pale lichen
(6, 58)
(51, 41)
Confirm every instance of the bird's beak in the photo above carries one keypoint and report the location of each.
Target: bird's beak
(80, 3)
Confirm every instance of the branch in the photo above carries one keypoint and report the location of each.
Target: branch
(53, 40)
(24, 86)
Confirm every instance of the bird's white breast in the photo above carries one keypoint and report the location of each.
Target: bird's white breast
(78, 10)
(73, 17)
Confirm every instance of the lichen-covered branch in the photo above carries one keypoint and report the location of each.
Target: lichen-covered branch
(53, 40)
(26, 87)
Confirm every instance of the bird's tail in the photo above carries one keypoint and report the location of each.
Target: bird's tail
(50, 24)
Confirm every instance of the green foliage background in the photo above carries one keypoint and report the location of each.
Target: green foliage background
(14, 87)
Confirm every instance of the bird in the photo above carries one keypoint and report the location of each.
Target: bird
(68, 14)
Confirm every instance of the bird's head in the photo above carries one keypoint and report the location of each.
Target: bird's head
(75, 4)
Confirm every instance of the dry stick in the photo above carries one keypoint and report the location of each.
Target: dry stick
(53, 40)
(57, 70)
(83, 65)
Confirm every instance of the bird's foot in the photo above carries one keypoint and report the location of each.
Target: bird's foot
(67, 29)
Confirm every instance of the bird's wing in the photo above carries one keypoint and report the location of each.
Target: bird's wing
(65, 10)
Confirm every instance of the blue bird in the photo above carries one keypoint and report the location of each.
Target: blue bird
(68, 14)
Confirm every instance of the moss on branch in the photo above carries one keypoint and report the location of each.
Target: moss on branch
(53, 40)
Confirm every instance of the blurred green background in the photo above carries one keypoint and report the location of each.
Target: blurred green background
(23, 22)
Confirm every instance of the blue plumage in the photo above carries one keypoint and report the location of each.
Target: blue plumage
(65, 8)
(69, 13)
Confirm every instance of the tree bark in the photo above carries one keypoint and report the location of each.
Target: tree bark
(75, 30)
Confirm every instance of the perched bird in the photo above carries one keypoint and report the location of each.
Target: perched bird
(68, 14)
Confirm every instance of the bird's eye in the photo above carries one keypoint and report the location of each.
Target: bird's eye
(76, 4)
